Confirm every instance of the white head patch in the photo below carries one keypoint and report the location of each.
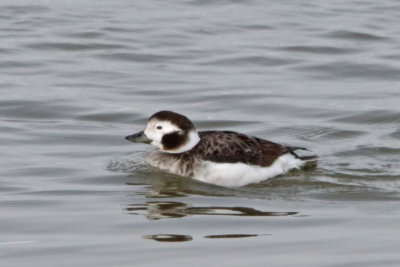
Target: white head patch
(156, 129)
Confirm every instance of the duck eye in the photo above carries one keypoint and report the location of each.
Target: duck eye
(159, 127)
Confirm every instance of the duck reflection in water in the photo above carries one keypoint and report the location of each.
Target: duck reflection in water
(163, 193)
(179, 189)
(155, 210)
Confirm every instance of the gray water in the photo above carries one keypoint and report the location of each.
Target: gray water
(78, 76)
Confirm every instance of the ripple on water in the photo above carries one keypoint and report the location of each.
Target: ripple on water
(112, 117)
(137, 57)
(354, 36)
(8, 64)
(71, 46)
(42, 110)
(317, 133)
(351, 70)
(372, 117)
(396, 134)
(24, 9)
(251, 61)
(372, 161)
(315, 49)
(220, 2)
(371, 172)
(85, 35)
(370, 152)
(42, 171)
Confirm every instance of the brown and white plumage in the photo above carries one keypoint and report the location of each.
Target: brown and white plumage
(219, 157)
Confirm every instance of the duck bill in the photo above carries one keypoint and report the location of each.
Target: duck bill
(139, 137)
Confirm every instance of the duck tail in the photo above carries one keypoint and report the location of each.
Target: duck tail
(292, 150)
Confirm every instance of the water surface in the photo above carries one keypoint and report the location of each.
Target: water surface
(78, 76)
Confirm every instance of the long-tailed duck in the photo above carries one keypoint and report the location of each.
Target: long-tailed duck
(218, 157)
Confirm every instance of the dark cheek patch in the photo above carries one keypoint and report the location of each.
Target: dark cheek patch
(173, 140)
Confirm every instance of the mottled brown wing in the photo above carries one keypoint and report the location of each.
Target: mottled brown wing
(232, 147)
(270, 151)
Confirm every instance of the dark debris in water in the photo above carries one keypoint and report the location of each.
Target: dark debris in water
(169, 238)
